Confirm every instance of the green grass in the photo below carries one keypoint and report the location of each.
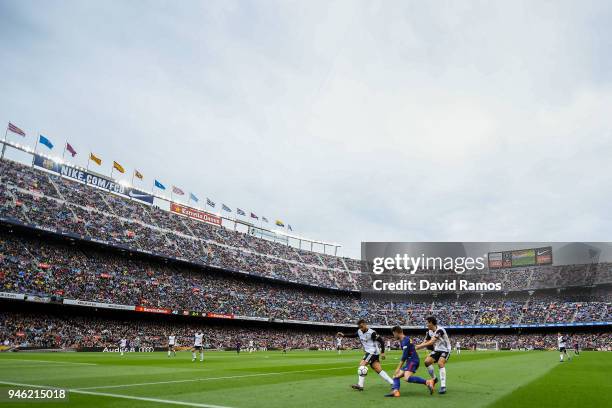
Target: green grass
(306, 379)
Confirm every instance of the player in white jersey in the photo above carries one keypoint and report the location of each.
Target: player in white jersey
(436, 340)
(562, 342)
(374, 347)
(172, 345)
(198, 346)
(123, 346)
(339, 345)
(458, 347)
(251, 346)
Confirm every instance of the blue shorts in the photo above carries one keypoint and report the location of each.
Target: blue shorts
(411, 365)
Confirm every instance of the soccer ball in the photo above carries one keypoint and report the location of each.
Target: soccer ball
(362, 371)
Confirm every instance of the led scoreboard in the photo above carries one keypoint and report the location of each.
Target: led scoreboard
(520, 257)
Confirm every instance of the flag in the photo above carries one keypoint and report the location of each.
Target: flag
(118, 167)
(14, 129)
(95, 158)
(44, 141)
(239, 211)
(264, 219)
(70, 149)
(210, 202)
(289, 227)
(193, 197)
(226, 208)
(177, 190)
(254, 216)
(138, 174)
(159, 185)
(280, 223)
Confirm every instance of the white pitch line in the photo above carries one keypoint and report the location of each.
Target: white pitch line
(161, 401)
(212, 378)
(130, 397)
(36, 366)
(46, 361)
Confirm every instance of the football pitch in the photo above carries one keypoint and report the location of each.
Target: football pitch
(303, 379)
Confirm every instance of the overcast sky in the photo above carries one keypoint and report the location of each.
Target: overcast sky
(350, 120)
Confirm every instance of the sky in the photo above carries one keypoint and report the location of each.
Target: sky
(352, 121)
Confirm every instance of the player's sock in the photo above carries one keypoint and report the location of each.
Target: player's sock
(386, 377)
(361, 381)
(414, 379)
(396, 383)
(561, 356)
(168, 353)
(201, 356)
(193, 355)
(443, 377)
(430, 370)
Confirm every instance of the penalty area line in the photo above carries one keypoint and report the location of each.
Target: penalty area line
(105, 394)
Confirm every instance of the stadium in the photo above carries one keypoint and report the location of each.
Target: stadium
(341, 203)
(84, 267)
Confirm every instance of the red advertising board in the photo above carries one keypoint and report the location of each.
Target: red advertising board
(153, 310)
(219, 315)
(195, 214)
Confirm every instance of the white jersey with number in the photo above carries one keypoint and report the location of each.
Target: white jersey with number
(368, 341)
(171, 340)
(561, 340)
(442, 342)
(198, 339)
(338, 342)
(123, 343)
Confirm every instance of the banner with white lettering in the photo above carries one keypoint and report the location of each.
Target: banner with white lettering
(91, 179)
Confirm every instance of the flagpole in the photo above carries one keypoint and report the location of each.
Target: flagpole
(64, 152)
(112, 170)
(35, 147)
(4, 142)
(133, 174)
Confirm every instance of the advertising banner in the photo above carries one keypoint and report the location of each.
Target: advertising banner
(195, 214)
(219, 315)
(17, 296)
(147, 309)
(91, 179)
(85, 303)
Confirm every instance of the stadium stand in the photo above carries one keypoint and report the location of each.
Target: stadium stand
(23, 330)
(65, 242)
(55, 268)
(48, 201)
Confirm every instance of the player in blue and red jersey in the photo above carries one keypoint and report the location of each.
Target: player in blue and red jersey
(409, 364)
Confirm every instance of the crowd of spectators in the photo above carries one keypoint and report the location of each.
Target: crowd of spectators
(29, 265)
(53, 202)
(20, 330)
